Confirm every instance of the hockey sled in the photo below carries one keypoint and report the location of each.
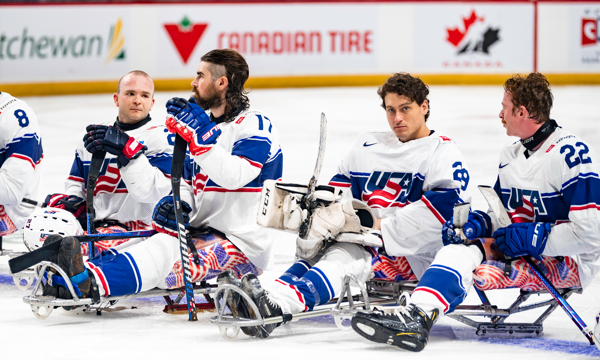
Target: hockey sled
(42, 306)
(382, 293)
(341, 309)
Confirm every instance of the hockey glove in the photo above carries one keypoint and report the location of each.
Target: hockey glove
(478, 225)
(163, 217)
(190, 121)
(73, 204)
(114, 141)
(522, 239)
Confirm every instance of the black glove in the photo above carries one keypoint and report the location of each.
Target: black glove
(114, 141)
(163, 216)
(73, 204)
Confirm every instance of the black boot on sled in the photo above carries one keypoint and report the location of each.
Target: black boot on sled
(238, 308)
(70, 260)
(408, 327)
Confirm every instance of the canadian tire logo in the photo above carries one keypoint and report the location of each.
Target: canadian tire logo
(185, 36)
(474, 36)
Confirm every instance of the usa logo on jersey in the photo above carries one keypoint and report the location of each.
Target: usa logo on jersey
(384, 189)
(524, 204)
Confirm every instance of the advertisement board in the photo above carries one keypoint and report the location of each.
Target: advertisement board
(39, 44)
(474, 38)
(584, 36)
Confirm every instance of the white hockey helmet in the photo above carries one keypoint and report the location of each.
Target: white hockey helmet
(49, 221)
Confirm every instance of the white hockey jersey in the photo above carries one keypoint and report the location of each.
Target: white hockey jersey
(411, 186)
(129, 193)
(228, 179)
(21, 156)
(558, 184)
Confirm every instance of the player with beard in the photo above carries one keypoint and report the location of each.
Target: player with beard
(233, 150)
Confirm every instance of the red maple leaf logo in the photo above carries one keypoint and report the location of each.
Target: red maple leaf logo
(185, 36)
(455, 36)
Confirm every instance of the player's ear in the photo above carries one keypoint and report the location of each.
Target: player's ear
(151, 104)
(222, 82)
(116, 98)
(425, 106)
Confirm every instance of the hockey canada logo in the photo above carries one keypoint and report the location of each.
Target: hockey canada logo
(384, 189)
(474, 36)
(589, 29)
(523, 205)
(185, 36)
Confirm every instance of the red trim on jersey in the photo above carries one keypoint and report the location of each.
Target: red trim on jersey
(75, 178)
(239, 121)
(253, 163)
(26, 158)
(433, 210)
(219, 189)
(436, 294)
(445, 138)
(339, 184)
(585, 207)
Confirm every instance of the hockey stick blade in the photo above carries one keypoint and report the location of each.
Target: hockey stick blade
(176, 173)
(30, 259)
(93, 173)
(307, 199)
(499, 210)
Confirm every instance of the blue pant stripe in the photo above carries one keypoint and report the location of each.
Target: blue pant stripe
(138, 277)
(447, 282)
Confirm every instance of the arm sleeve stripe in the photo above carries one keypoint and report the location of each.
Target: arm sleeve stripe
(585, 207)
(23, 157)
(339, 184)
(253, 163)
(76, 178)
(433, 210)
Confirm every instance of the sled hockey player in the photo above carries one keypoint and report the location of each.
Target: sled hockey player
(21, 156)
(403, 182)
(548, 182)
(136, 170)
(233, 150)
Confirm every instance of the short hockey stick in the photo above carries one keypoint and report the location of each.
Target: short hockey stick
(34, 257)
(307, 200)
(176, 173)
(93, 173)
(500, 211)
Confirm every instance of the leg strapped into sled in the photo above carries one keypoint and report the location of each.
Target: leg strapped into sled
(42, 306)
(342, 308)
(383, 293)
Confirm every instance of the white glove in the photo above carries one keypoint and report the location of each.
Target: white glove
(293, 215)
(327, 222)
(358, 216)
(365, 239)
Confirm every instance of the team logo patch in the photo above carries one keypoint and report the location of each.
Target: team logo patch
(524, 204)
(384, 189)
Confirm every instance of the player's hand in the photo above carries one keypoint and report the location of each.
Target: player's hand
(190, 121)
(523, 239)
(478, 225)
(163, 216)
(73, 204)
(114, 141)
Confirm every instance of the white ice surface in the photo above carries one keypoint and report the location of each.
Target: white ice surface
(469, 115)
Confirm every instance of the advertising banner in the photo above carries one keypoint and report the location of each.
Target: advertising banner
(473, 38)
(65, 43)
(275, 39)
(584, 37)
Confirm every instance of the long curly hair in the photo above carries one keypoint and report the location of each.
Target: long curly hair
(533, 92)
(231, 64)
